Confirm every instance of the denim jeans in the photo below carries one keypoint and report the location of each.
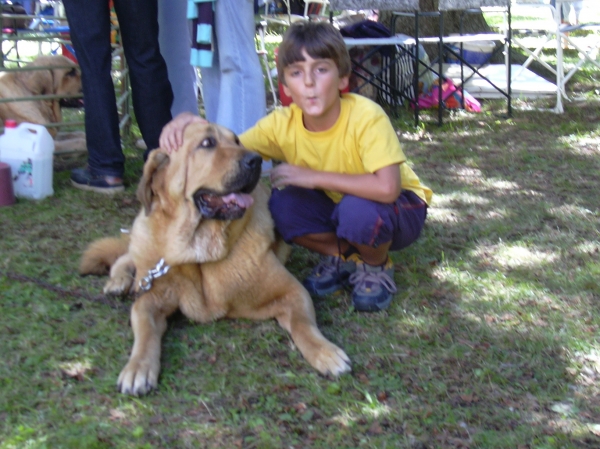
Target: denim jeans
(233, 88)
(175, 44)
(89, 23)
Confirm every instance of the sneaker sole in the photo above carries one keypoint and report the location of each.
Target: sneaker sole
(103, 190)
(373, 308)
(325, 292)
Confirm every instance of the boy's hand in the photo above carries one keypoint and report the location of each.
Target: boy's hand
(291, 175)
(171, 136)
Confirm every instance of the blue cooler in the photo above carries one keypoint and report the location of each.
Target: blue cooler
(475, 53)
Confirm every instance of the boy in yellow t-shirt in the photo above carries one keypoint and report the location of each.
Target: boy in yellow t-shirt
(344, 189)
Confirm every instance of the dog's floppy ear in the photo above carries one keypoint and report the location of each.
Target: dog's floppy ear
(61, 78)
(72, 72)
(38, 82)
(157, 161)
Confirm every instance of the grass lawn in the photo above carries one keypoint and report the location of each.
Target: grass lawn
(491, 342)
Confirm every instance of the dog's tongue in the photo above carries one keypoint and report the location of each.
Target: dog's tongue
(243, 200)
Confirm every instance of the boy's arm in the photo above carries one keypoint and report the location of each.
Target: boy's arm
(171, 136)
(383, 185)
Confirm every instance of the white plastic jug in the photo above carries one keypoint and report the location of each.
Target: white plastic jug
(28, 149)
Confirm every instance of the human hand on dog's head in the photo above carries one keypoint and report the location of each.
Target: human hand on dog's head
(171, 136)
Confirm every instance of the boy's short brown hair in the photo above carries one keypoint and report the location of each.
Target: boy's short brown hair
(320, 40)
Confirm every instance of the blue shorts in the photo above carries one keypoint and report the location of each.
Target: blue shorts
(298, 212)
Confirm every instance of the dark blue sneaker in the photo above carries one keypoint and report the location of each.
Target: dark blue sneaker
(330, 275)
(83, 179)
(374, 287)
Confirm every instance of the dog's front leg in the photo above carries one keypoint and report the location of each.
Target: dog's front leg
(299, 320)
(122, 277)
(149, 322)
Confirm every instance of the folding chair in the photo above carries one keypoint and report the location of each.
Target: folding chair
(453, 45)
(539, 22)
(544, 22)
(395, 80)
(564, 37)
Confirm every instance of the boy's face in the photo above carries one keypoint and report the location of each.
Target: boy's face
(314, 85)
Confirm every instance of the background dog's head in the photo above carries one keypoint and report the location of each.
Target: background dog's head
(211, 172)
(62, 76)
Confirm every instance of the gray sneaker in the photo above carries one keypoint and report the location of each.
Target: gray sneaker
(331, 274)
(374, 287)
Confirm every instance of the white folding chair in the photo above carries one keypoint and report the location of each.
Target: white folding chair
(565, 38)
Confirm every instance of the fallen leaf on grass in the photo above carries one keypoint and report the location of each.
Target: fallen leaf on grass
(382, 396)
(375, 429)
(75, 371)
(362, 378)
(300, 407)
(116, 415)
(464, 400)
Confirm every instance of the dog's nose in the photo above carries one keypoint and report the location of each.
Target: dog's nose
(251, 161)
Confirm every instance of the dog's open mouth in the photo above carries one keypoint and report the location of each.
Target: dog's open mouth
(222, 207)
(71, 102)
(235, 199)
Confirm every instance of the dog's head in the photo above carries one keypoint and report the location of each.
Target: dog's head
(60, 76)
(211, 173)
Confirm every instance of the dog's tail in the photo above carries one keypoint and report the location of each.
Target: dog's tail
(102, 254)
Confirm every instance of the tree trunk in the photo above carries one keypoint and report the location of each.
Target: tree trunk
(428, 26)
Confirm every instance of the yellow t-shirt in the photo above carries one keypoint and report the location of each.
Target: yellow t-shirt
(362, 141)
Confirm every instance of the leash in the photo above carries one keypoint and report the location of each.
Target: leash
(98, 299)
(145, 284)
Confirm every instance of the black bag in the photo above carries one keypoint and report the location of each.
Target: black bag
(365, 28)
(11, 22)
(368, 28)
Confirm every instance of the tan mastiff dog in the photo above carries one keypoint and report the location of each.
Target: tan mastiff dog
(62, 77)
(205, 218)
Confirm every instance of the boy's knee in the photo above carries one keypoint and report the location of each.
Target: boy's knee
(360, 211)
(364, 221)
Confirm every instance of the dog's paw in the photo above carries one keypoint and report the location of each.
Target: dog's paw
(119, 285)
(137, 378)
(331, 360)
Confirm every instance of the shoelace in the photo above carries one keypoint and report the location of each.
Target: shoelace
(360, 279)
(327, 266)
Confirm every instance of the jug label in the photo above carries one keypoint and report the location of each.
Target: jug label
(24, 174)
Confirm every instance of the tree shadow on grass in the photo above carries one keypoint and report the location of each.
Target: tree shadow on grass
(498, 304)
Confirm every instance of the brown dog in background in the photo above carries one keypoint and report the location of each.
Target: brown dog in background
(62, 78)
(204, 215)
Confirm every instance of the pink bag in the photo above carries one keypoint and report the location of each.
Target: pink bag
(451, 96)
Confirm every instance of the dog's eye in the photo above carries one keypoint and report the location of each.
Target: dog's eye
(209, 142)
